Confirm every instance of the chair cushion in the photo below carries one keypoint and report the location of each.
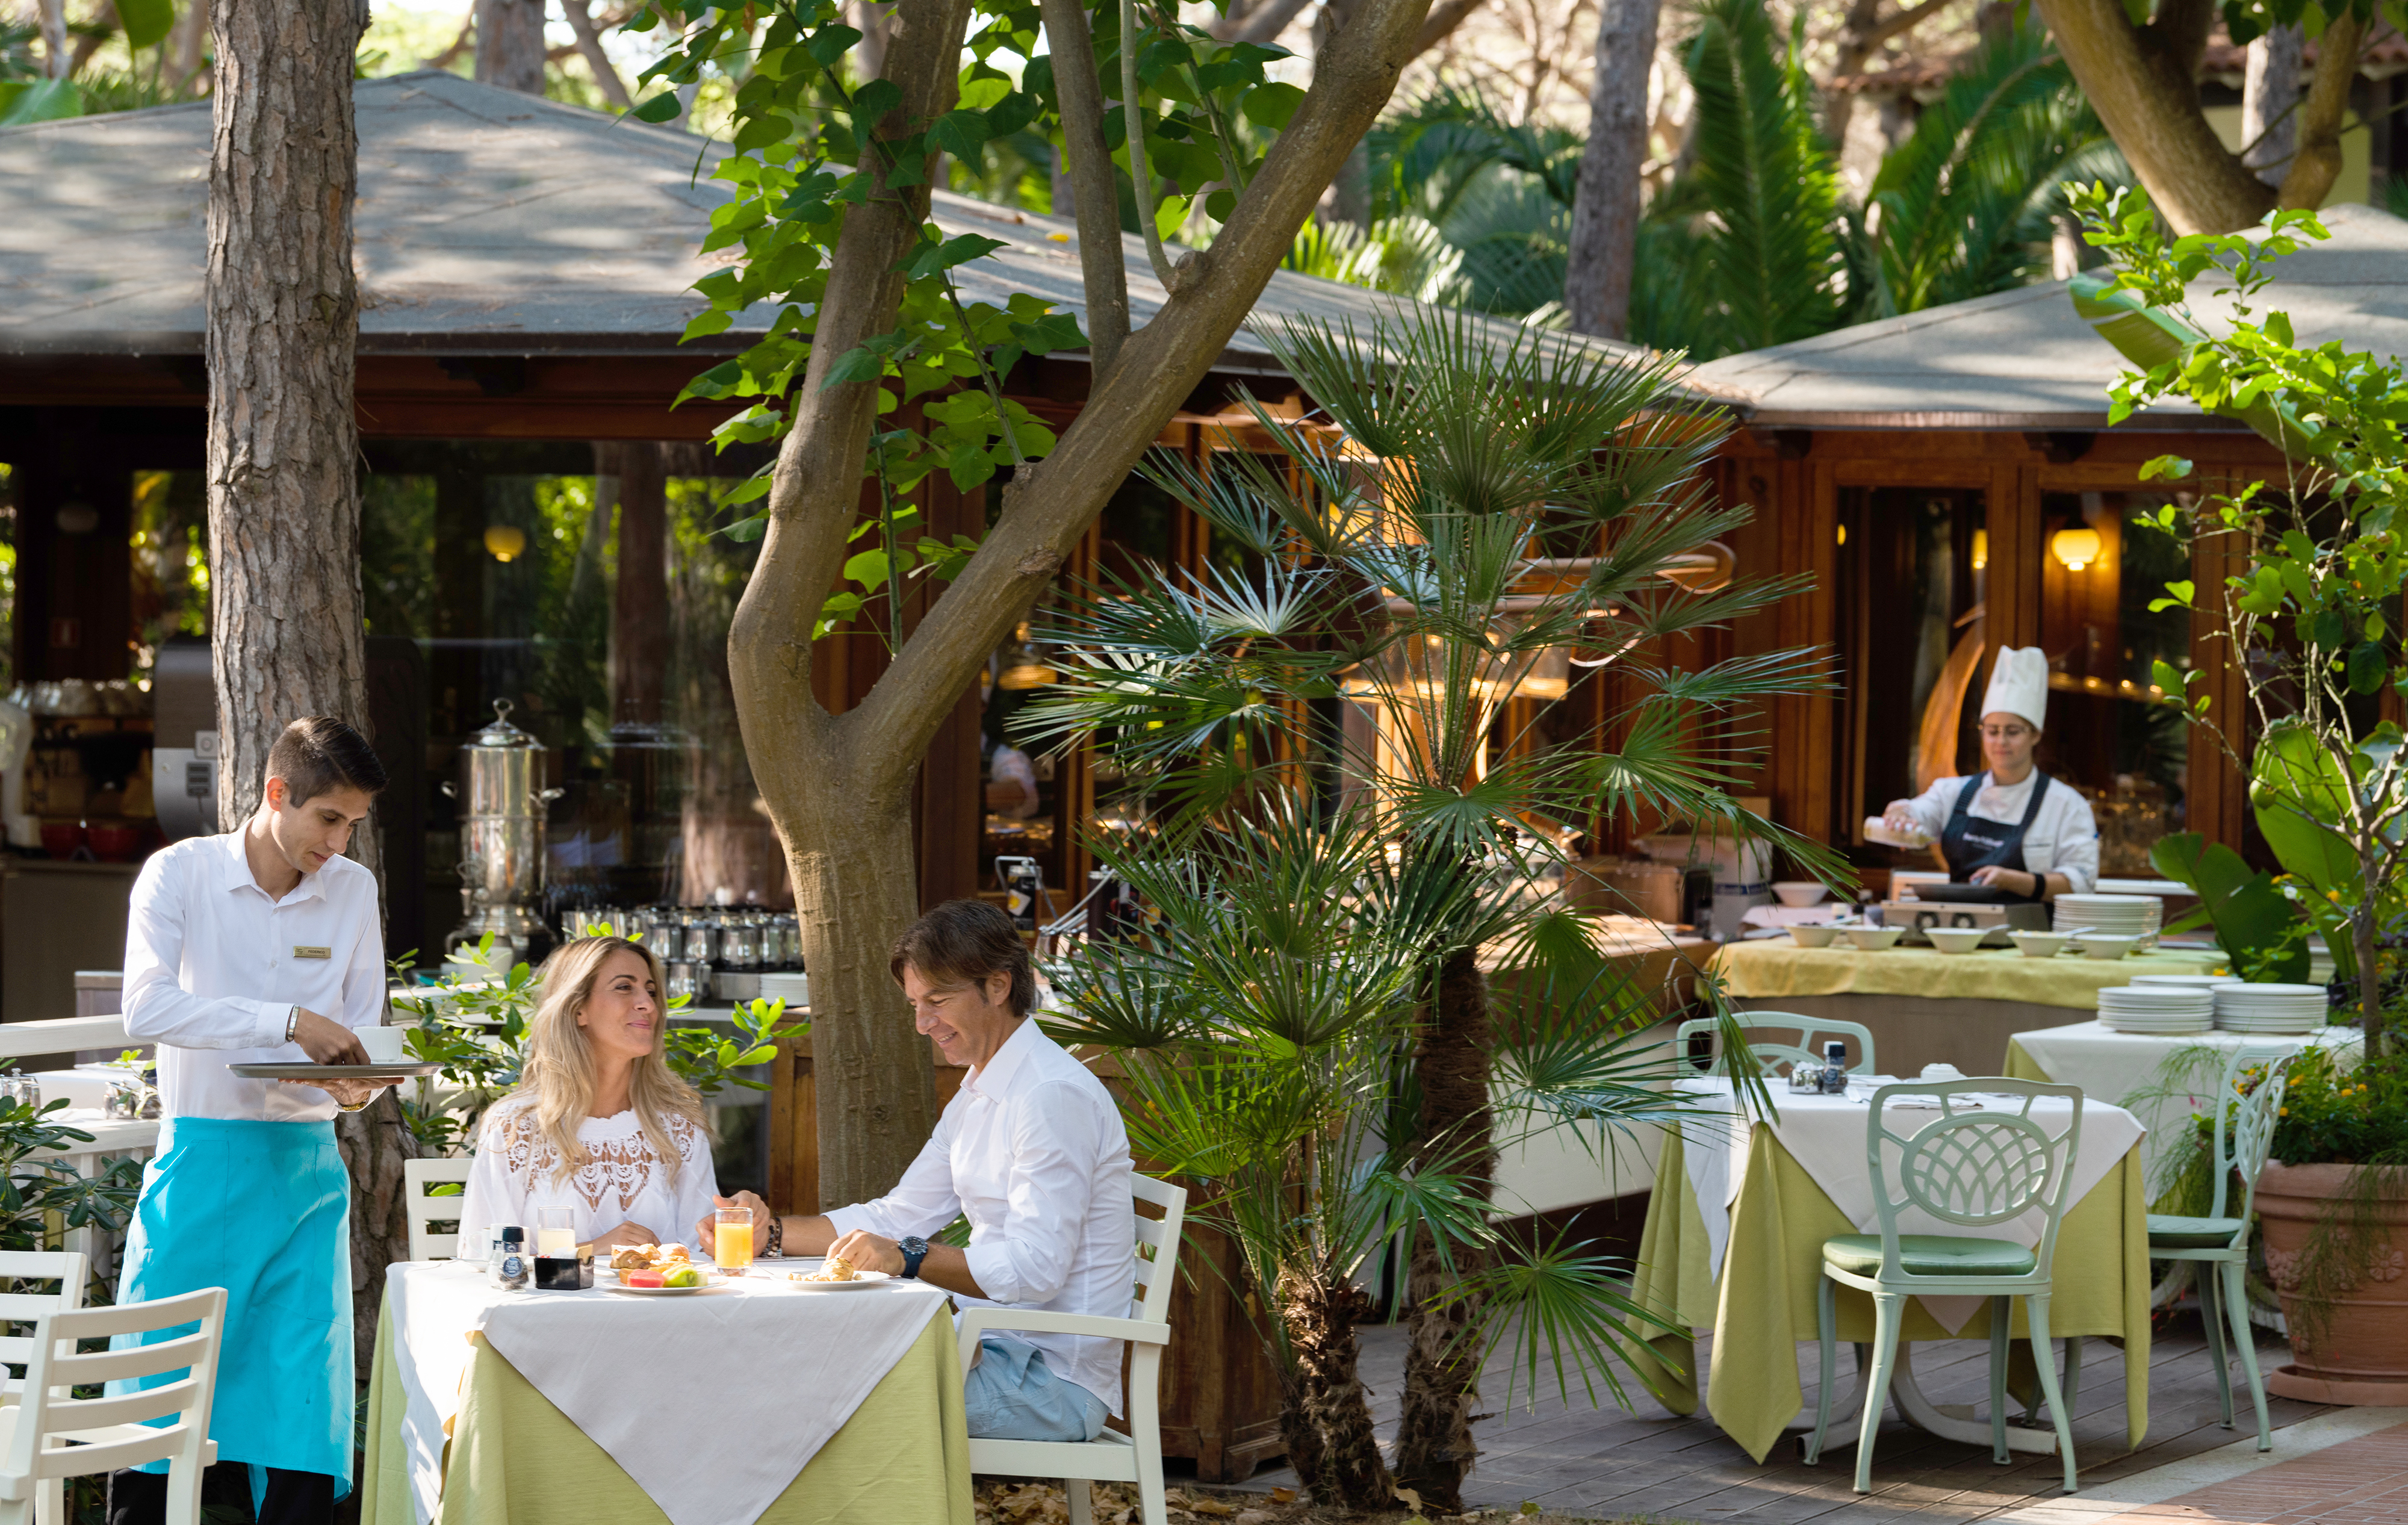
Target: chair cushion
(2168, 1231)
(1931, 1255)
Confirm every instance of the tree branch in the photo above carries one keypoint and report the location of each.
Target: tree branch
(1261, 25)
(1047, 507)
(589, 47)
(1446, 15)
(1094, 190)
(2316, 162)
(1905, 20)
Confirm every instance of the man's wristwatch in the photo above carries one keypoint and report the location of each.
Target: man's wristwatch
(915, 1249)
(292, 1021)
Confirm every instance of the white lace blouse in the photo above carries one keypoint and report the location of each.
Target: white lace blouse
(623, 1179)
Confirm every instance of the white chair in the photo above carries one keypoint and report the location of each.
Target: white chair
(1112, 1456)
(68, 1268)
(418, 1178)
(51, 1436)
(1972, 1167)
(2244, 1130)
(1772, 1060)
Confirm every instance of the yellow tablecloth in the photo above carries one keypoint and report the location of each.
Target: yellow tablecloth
(903, 1456)
(1768, 969)
(1763, 1303)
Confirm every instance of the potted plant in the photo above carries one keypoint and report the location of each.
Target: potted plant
(2308, 612)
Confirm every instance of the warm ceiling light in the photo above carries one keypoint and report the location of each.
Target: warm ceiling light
(2075, 548)
(1019, 667)
(506, 541)
(1981, 550)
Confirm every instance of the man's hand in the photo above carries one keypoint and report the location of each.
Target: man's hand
(706, 1230)
(865, 1251)
(350, 1094)
(327, 1040)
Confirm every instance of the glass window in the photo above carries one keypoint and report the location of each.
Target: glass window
(2106, 737)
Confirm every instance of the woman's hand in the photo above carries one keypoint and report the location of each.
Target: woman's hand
(706, 1230)
(1898, 815)
(2013, 881)
(625, 1234)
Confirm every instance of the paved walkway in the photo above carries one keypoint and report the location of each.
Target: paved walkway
(2341, 1466)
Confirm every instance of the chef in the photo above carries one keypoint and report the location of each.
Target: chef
(260, 945)
(2012, 828)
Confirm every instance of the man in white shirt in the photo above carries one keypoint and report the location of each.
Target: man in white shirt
(260, 945)
(1031, 1152)
(2013, 828)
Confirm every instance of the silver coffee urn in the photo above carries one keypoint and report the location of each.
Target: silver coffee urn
(502, 801)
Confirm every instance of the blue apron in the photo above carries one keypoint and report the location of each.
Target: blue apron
(263, 1210)
(1970, 843)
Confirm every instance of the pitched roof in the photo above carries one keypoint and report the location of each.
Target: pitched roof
(489, 223)
(2024, 360)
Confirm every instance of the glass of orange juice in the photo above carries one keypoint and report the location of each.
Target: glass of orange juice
(731, 1240)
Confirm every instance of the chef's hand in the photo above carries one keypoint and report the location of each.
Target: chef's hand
(327, 1040)
(706, 1230)
(2013, 881)
(1898, 815)
(865, 1251)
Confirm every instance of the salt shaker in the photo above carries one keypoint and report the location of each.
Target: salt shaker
(509, 1270)
(1835, 1069)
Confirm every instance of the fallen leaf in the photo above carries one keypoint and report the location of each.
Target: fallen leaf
(1213, 1507)
(1283, 1495)
(1253, 1516)
(1409, 1499)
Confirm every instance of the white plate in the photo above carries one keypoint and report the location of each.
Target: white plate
(868, 1279)
(661, 1291)
(2263, 988)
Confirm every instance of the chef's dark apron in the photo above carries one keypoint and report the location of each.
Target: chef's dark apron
(1970, 843)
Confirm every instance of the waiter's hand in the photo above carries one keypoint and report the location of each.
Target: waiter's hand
(327, 1040)
(350, 1094)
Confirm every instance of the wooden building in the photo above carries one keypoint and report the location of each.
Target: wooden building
(1951, 473)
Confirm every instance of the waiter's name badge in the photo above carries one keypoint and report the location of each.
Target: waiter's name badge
(299, 951)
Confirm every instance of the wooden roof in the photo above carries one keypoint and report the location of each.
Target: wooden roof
(2024, 360)
(489, 224)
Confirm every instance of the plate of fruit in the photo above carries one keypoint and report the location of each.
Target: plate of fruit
(658, 1270)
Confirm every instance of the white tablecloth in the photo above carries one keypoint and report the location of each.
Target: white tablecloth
(711, 1403)
(1825, 1135)
(2118, 1066)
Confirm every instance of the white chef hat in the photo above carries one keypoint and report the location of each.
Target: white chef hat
(2019, 685)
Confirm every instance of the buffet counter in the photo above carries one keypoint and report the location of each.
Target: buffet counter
(1928, 1007)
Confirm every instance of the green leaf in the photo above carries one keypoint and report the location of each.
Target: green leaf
(1273, 105)
(45, 100)
(2165, 468)
(868, 569)
(875, 99)
(745, 531)
(859, 363)
(2368, 668)
(147, 22)
(958, 250)
(960, 133)
(660, 107)
(831, 43)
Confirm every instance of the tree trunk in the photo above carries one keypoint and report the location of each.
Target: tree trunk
(2316, 164)
(284, 515)
(1332, 1420)
(1094, 194)
(1861, 36)
(875, 20)
(2143, 82)
(1606, 203)
(54, 38)
(589, 47)
(837, 786)
(1434, 1443)
(509, 45)
(2270, 98)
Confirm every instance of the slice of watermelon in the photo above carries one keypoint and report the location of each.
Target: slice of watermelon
(644, 1278)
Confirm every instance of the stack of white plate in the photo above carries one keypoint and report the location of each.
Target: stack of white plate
(2276, 1009)
(2118, 915)
(2140, 1008)
(794, 989)
(2182, 982)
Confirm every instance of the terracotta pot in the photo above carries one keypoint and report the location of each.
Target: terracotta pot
(2360, 1352)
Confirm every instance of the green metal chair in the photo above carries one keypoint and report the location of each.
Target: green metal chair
(1972, 1167)
(2245, 1129)
(1772, 1060)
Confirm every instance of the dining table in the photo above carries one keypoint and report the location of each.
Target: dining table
(1732, 1246)
(749, 1401)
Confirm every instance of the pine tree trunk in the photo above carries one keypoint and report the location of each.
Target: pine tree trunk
(284, 516)
(1606, 203)
(1434, 1443)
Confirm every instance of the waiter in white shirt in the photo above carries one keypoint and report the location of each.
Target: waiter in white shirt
(260, 945)
(1032, 1153)
(2013, 828)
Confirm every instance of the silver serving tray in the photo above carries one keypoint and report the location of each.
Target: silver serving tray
(404, 1070)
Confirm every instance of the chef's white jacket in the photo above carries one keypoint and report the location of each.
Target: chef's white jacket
(213, 968)
(1032, 1153)
(2064, 836)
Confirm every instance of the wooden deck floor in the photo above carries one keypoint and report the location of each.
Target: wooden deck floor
(1650, 1462)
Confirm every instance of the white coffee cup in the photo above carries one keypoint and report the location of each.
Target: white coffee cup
(385, 1045)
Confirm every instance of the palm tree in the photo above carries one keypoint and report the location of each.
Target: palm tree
(1471, 520)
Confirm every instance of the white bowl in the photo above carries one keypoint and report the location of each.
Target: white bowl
(2104, 944)
(1798, 893)
(1875, 939)
(1812, 937)
(1957, 939)
(2039, 944)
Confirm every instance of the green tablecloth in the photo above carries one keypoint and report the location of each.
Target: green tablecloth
(1763, 1303)
(1771, 969)
(903, 1456)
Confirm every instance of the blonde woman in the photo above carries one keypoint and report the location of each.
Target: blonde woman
(599, 1123)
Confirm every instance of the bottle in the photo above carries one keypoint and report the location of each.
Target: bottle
(1835, 1067)
(509, 1267)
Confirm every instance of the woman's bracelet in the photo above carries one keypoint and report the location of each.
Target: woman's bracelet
(777, 1239)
